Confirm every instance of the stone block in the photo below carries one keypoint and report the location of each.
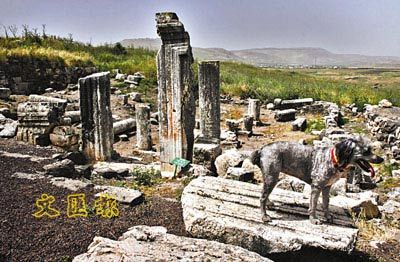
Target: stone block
(285, 115)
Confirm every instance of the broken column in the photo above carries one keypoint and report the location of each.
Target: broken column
(97, 126)
(143, 127)
(254, 109)
(123, 126)
(209, 103)
(207, 148)
(176, 101)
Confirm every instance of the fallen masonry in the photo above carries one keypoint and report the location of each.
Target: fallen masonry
(228, 211)
(144, 243)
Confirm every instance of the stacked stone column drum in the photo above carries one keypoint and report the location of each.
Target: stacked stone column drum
(207, 148)
(209, 101)
(143, 128)
(254, 109)
(97, 126)
(176, 100)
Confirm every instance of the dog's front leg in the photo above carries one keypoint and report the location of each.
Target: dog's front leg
(325, 204)
(315, 192)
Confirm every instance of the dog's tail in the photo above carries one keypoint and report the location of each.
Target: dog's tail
(255, 157)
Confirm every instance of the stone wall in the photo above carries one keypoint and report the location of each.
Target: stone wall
(27, 75)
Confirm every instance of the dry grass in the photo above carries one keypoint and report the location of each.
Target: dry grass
(69, 58)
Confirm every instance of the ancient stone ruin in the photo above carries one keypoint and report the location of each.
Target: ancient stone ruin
(38, 117)
(97, 127)
(176, 100)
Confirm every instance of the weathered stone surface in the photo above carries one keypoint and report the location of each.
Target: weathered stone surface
(206, 153)
(248, 123)
(70, 184)
(209, 103)
(143, 134)
(9, 129)
(75, 116)
(198, 170)
(66, 137)
(38, 98)
(134, 79)
(285, 115)
(230, 158)
(5, 93)
(232, 124)
(97, 126)
(64, 168)
(37, 120)
(385, 103)
(176, 92)
(28, 176)
(123, 195)
(248, 166)
(77, 157)
(292, 184)
(254, 109)
(144, 243)
(391, 209)
(294, 103)
(228, 211)
(135, 96)
(240, 174)
(109, 171)
(300, 124)
(123, 126)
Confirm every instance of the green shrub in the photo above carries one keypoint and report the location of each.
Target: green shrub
(315, 124)
(146, 177)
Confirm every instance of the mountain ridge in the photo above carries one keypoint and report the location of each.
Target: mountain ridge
(275, 56)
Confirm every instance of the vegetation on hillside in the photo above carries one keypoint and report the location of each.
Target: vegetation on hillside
(266, 84)
(105, 57)
(236, 79)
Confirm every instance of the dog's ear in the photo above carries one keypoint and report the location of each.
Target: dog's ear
(344, 151)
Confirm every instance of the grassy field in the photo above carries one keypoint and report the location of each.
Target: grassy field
(343, 86)
(340, 86)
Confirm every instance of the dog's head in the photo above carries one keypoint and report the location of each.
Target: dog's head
(358, 152)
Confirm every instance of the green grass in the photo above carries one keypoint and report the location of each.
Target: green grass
(266, 84)
(105, 57)
(315, 124)
(236, 79)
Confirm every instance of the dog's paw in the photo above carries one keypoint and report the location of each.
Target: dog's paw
(315, 221)
(266, 219)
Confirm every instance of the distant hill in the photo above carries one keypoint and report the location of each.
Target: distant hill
(303, 56)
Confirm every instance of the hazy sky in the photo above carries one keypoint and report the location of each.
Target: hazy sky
(344, 26)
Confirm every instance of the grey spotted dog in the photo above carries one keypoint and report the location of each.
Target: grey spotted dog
(318, 166)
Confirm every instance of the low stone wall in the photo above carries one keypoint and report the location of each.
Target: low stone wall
(27, 75)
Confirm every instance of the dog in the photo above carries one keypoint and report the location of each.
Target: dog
(320, 167)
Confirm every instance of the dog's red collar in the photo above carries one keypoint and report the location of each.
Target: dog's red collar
(335, 160)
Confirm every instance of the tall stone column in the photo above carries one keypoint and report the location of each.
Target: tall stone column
(254, 109)
(176, 101)
(143, 128)
(209, 103)
(97, 126)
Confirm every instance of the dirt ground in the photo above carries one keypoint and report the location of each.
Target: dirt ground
(26, 238)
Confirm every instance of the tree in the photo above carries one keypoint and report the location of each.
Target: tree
(5, 31)
(25, 29)
(14, 30)
(118, 49)
(44, 31)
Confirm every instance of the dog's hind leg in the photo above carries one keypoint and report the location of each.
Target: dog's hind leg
(315, 192)
(270, 180)
(325, 204)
